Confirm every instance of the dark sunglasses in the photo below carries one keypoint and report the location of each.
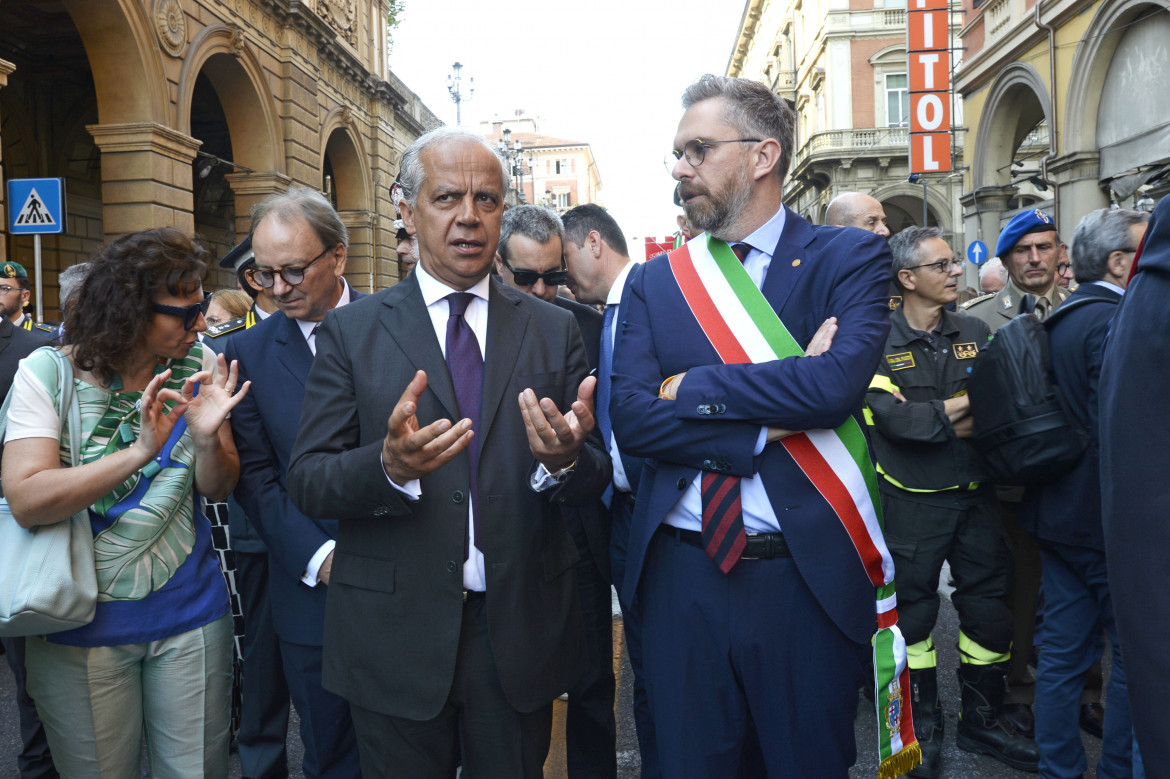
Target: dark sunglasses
(266, 277)
(526, 278)
(189, 314)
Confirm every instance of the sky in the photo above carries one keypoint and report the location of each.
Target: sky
(608, 72)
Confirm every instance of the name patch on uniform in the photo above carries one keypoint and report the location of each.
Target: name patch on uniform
(901, 361)
(966, 351)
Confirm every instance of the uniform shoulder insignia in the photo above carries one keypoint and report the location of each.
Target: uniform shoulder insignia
(224, 328)
(44, 328)
(979, 299)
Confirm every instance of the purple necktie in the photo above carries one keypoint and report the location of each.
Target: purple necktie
(465, 364)
(723, 537)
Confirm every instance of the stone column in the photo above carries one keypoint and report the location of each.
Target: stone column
(1075, 175)
(251, 188)
(363, 269)
(146, 176)
(6, 69)
(982, 210)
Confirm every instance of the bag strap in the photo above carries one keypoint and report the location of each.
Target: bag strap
(1066, 308)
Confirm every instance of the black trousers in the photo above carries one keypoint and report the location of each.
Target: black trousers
(34, 760)
(498, 742)
(921, 535)
(590, 727)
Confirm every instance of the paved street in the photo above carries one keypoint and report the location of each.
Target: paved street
(958, 764)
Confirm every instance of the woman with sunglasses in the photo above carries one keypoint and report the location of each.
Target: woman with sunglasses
(154, 406)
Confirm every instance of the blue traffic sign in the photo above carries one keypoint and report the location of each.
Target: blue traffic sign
(977, 252)
(36, 206)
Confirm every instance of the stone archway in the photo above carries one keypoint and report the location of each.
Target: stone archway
(346, 180)
(903, 205)
(1017, 102)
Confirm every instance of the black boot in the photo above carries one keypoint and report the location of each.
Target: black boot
(981, 729)
(928, 721)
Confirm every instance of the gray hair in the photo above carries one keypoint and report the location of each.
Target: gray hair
(1098, 235)
(905, 248)
(993, 267)
(752, 109)
(303, 203)
(412, 175)
(70, 280)
(535, 222)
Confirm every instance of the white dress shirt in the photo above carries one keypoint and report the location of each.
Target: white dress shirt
(758, 514)
(613, 300)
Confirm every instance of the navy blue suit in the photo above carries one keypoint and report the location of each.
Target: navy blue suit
(1135, 460)
(276, 358)
(814, 611)
(1065, 517)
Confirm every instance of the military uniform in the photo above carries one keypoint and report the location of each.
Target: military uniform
(999, 308)
(36, 327)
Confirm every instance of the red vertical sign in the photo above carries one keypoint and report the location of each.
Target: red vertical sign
(928, 45)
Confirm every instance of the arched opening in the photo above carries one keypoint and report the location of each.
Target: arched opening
(1013, 127)
(49, 100)
(343, 174)
(904, 211)
(214, 203)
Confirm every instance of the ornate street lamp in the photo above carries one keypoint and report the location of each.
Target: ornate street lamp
(454, 86)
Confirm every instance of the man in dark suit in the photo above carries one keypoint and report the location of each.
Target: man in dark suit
(453, 608)
(756, 607)
(265, 701)
(34, 760)
(599, 264)
(300, 245)
(1065, 516)
(532, 261)
(1134, 464)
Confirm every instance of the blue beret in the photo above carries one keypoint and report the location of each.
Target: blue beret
(239, 254)
(1033, 221)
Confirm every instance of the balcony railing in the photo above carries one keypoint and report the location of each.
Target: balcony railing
(785, 81)
(840, 143)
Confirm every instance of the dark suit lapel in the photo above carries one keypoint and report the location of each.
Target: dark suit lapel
(506, 326)
(6, 333)
(784, 269)
(292, 350)
(405, 317)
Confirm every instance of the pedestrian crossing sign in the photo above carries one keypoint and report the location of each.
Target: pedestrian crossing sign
(36, 206)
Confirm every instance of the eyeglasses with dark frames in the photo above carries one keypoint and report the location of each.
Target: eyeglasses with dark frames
(943, 266)
(266, 277)
(527, 278)
(696, 151)
(189, 314)
(1063, 267)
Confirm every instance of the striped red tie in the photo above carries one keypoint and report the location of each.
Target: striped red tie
(724, 537)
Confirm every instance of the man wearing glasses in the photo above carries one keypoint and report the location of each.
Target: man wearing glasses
(756, 609)
(14, 296)
(1029, 247)
(531, 260)
(937, 504)
(300, 252)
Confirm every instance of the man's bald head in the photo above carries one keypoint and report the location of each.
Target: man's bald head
(855, 209)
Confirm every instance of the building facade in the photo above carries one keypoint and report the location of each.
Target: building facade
(186, 113)
(1066, 107)
(842, 66)
(554, 172)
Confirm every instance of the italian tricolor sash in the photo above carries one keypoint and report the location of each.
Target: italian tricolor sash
(743, 328)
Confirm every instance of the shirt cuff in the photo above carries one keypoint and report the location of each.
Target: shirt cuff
(761, 442)
(541, 479)
(315, 563)
(412, 489)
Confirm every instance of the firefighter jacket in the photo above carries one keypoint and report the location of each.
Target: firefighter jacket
(914, 441)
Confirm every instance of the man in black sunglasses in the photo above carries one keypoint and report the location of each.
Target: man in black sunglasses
(531, 257)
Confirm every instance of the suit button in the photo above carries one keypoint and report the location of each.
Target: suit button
(381, 511)
(721, 408)
(451, 566)
(682, 484)
(457, 496)
(704, 410)
(709, 465)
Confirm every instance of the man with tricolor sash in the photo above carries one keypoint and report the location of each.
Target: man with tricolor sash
(756, 555)
(938, 505)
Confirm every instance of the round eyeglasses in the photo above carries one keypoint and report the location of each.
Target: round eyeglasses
(696, 151)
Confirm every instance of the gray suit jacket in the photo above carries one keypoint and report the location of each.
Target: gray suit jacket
(395, 599)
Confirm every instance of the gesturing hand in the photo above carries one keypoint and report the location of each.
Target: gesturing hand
(156, 424)
(410, 452)
(555, 439)
(217, 396)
